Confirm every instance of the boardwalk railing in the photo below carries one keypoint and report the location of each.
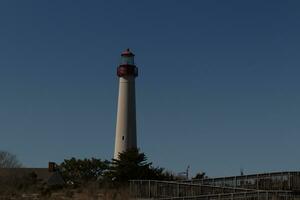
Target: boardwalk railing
(269, 195)
(266, 181)
(160, 189)
(273, 186)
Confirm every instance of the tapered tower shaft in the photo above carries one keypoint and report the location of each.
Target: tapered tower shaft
(126, 115)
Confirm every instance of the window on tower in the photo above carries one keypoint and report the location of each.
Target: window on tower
(125, 60)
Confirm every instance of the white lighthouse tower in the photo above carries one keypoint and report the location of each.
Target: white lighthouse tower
(126, 117)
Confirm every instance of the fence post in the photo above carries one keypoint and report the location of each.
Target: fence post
(235, 182)
(130, 188)
(156, 189)
(149, 188)
(257, 181)
(289, 180)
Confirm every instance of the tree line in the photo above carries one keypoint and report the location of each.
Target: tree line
(131, 164)
(86, 176)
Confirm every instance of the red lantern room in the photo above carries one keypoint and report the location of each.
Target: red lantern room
(127, 66)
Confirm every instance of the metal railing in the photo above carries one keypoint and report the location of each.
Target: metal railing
(265, 181)
(278, 186)
(160, 189)
(266, 195)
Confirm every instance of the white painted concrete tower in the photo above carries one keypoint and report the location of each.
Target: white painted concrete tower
(126, 117)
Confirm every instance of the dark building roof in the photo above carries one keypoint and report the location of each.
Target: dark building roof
(43, 174)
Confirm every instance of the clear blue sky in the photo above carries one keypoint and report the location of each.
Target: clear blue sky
(218, 88)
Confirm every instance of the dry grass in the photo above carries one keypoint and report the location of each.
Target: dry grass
(90, 192)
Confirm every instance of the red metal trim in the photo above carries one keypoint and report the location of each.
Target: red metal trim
(127, 54)
(127, 70)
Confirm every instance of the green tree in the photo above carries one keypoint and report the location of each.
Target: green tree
(80, 171)
(199, 175)
(133, 164)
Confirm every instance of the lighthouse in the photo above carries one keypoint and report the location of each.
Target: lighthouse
(126, 115)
